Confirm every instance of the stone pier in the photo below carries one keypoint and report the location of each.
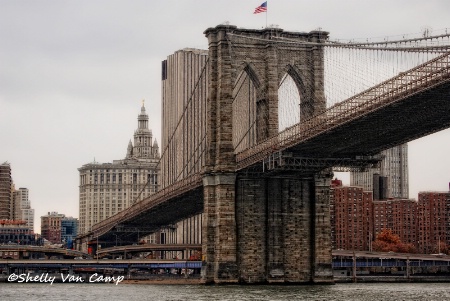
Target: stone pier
(283, 230)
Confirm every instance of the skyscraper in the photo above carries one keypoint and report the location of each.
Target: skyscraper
(108, 188)
(5, 190)
(21, 209)
(184, 94)
(394, 166)
(183, 108)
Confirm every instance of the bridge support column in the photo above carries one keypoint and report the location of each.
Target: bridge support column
(251, 219)
(289, 231)
(283, 229)
(219, 229)
(322, 257)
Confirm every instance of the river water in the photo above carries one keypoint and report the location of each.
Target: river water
(131, 292)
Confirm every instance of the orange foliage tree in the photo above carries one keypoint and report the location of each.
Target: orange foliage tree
(389, 242)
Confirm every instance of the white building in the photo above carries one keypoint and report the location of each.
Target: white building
(108, 188)
(21, 208)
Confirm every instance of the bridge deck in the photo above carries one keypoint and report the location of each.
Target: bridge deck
(165, 207)
(397, 123)
(150, 247)
(409, 106)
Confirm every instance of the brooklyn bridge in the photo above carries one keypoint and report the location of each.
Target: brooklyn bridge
(265, 118)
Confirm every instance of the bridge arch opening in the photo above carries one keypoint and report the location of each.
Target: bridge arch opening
(289, 102)
(250, 111)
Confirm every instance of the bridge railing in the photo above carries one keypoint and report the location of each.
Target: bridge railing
(418, 79)
(168, 192)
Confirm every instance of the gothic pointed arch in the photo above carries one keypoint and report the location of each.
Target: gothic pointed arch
(303, 84)
(248, 70)
(249, 109)
(295, 73)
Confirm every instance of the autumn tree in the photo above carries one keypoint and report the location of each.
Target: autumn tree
(387, 241)
(442, 248)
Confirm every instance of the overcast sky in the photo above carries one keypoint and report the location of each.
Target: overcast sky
(73, 74)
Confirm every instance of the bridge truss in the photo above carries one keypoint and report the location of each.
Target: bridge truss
(359, 78)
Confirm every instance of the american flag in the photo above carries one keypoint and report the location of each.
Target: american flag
(261, 9)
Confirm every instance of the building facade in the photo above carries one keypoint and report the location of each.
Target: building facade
(433, 222)
(356, 219)
(404, 212)
(108, 188)
(21, 207)
(14, 204)
(69, 230)
(394, 166)
(183, 102)
(5, 191)
(51, 227)
(351, 218)
(399, 215)
(17, 233)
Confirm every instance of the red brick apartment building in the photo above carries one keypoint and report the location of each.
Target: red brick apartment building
(351, 217)
(399, 215)
(356, 219)
(433, 222)
(51, 227)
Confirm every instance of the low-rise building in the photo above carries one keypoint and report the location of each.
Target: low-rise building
(69, 230)
(51, 227)
(16, 232)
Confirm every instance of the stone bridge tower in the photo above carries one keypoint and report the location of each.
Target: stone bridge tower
(261, 227)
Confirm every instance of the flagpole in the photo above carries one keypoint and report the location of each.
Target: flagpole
(267, 11)
(262, 9)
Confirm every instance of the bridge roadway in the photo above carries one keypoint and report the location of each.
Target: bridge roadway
(341, 259)
(39, 249)
(412, 105)
(99, 264)
(166, 207)
(148, 248)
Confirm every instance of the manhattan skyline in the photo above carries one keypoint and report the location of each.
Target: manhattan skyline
(73, 75)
